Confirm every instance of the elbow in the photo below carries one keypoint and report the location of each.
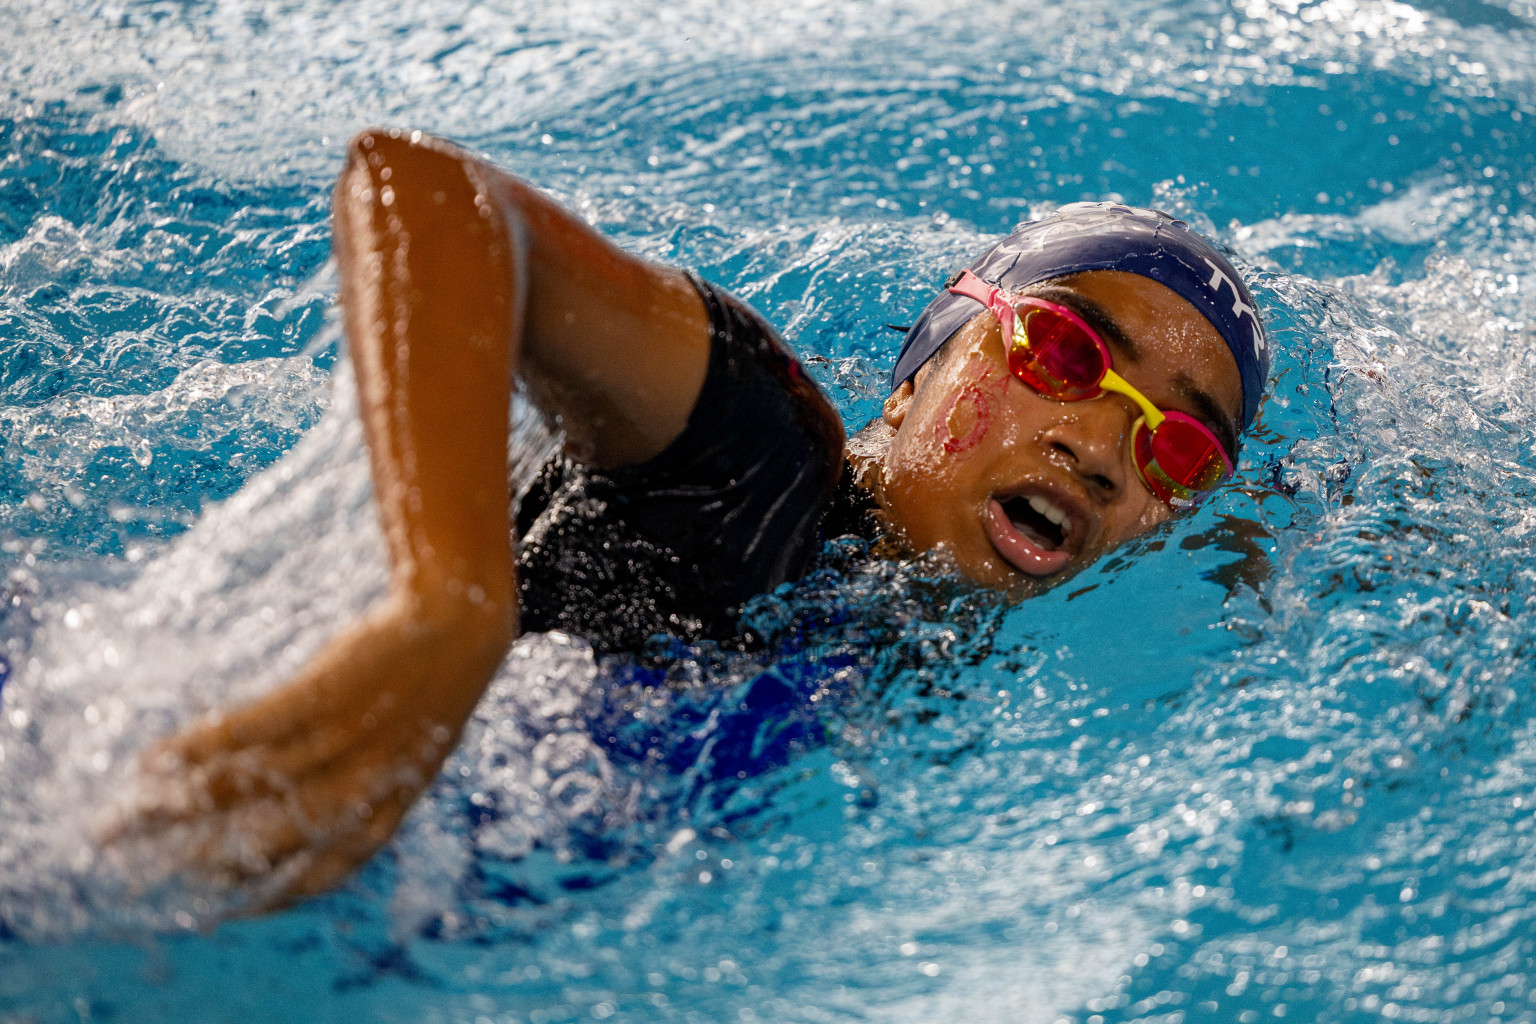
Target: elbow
(378, 143)
(375, 148)
(366, 152)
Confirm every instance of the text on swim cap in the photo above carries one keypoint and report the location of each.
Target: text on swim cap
(1239, 307)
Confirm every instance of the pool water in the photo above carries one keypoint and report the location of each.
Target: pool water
(1273, 761)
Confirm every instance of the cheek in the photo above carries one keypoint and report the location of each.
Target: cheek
(967, 417)
(1136, 520)
(966, 421)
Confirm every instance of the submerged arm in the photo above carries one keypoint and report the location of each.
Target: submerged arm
(451, 271)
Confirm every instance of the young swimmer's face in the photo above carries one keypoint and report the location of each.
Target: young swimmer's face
(1021, 489)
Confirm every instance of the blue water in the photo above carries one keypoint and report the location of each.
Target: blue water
(1273, 761)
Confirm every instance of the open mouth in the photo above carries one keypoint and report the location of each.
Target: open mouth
(1040, 520)
(1032, 533)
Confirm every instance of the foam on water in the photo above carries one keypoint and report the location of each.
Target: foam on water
(1272, 760)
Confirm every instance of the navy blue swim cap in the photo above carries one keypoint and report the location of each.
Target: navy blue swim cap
(1107, 236)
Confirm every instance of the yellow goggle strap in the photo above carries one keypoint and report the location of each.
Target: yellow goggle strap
(1119, 385)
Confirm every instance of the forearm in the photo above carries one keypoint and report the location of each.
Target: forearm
(315, 775)
(430, 275)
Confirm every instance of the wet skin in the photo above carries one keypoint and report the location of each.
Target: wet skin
(454, 277)
(972, 443)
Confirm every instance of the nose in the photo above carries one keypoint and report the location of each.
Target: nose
(1093, 439)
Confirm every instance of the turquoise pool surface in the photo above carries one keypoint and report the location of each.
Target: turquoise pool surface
(1274, 761)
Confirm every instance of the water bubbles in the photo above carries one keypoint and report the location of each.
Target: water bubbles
(573, 770)
(1299, 720)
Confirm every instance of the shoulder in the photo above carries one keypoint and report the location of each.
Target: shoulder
(754, 373)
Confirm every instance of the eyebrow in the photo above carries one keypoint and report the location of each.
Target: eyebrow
(1100, 320)
(1097, 316)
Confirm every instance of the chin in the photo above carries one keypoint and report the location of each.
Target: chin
(1018, 585)
(993, 572)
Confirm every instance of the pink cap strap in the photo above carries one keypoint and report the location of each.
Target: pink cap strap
(973, 287)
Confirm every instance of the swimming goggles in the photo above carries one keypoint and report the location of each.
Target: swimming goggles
(1058, 355)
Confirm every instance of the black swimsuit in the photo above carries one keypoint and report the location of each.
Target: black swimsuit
(732, 508)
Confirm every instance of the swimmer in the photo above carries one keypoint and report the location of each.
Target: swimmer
(1085, 379)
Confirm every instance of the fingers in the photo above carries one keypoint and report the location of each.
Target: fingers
(278, 859)
(238, 823)
(246, 844)
(209, 817)
(220, 763)
(170, 789)
(278, 719)
(256, 850)
(329, 867)
(166, 791)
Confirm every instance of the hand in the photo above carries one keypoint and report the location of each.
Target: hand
(286, 796)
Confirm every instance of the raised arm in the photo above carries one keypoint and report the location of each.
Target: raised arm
(451, 273)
